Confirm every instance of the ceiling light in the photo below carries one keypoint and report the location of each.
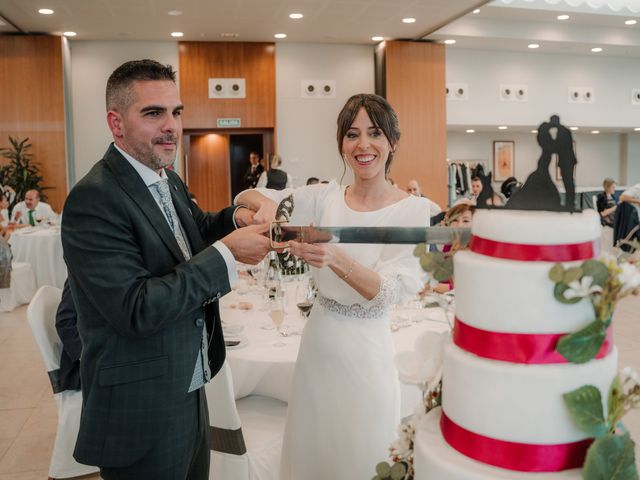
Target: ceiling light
(229, 35)
(533, 45)
(502, 127)
(595, 132)
(377, 39)
(637, 129)
(450, 41)
(174, 13)
(409, 20)
(280, 35)
(45, 11)
(596, 49)
(630, 22)
(534, 131)
(563, 17)
(69, 34)
(477, 10)
(177, 34)
(573, 128)
(470, 130)
(296, 16)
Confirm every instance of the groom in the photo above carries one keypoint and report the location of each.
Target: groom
(146, 269)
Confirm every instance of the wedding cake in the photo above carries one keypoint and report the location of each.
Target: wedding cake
(503, 415)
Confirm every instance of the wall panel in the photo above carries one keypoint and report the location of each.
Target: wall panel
(32, 105)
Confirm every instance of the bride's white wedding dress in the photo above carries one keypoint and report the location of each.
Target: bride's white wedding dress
(345, 401)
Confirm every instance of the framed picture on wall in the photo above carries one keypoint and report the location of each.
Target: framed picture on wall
(504, 153)
(555, 162)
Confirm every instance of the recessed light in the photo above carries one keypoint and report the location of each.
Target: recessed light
(534, 131)
(177, 34)
(502, 127)
(409, 20)
(596, 49)
(637, 129)
(595, 132)
(573, 128)
(229, 35)
(296, 16)
(45, 11)
(470, 130)
(630, 22)
(477, 10)
(450, 41)
(533, 45)
(69, 34)
(377, 39)
(174, 13)
(280, 35)
(563, 17)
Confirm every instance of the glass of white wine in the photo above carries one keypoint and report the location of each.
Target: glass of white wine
(276, 311)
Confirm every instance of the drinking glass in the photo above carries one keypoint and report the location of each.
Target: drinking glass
(304, 298)
(276, 311)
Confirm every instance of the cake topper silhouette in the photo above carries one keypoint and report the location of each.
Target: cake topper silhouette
(539, 192)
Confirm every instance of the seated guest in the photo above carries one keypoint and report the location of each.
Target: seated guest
(632, 195)
(275, 178)
(313, 180)
(4, 210)
(509, 187)
(607, 202)
(32, 210)
(66, 319)
(413, 187)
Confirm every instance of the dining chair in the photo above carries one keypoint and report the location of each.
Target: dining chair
(245, 434)
(41, 315)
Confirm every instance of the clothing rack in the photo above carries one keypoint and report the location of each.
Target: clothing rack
(459, 177)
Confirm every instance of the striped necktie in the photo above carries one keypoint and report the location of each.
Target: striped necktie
(162, 187)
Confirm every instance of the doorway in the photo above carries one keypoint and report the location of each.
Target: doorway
(240, 146)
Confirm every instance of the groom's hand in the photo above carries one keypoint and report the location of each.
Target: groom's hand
(248, 244)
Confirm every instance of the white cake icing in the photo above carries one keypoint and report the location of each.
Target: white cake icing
(536, 228)
(434, 459)
(511, 296)
(517, 402)
(501, 400)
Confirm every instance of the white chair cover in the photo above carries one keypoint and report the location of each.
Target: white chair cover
(22, 289)
(41, 316)
(246, 436)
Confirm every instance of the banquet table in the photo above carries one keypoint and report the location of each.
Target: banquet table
(42, 248)
(259, 367)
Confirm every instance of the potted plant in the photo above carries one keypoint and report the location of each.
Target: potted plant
(20, 173)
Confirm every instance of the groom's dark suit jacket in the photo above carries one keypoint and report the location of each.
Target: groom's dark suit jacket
(140, 306)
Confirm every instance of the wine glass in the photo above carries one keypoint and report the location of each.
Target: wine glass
(276, 312)
(304, 298)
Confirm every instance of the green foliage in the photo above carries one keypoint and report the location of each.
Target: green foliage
(585, 408)
(397, 471)
(583, 345)
(21, 173)
(597, 270)
(383, 469)
(558, 293)
(572, 275)
(616, 402)
(556, 274)
(611, 458)
(438, 264)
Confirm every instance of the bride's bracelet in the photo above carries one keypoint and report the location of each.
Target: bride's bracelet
(353, 262)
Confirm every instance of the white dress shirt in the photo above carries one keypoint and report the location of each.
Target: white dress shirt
(149, 177)
(43, 211)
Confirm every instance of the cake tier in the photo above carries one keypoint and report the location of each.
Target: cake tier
(434, 459)
(518, 402)
(535, 227)
(513, 296)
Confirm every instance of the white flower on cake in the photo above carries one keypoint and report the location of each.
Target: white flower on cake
(581, 288)
(423, 366)
(629, 276)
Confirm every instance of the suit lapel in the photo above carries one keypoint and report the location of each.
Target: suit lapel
(135, 188)
(181, 204)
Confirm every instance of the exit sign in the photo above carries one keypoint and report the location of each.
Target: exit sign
(228, 122)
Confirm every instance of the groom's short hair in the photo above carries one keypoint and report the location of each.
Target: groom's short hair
(119, 94)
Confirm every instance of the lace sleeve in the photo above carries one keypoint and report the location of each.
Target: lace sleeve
(388, 294)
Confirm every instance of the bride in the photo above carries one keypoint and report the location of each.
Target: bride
(345, 400)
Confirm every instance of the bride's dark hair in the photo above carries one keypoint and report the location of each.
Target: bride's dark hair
(381, 115)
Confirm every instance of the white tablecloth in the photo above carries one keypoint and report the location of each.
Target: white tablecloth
(42, 248)
(261, 368)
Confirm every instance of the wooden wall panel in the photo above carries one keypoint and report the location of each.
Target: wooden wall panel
(415, 87)
(208, 171)
(32, 105)
(255, 62)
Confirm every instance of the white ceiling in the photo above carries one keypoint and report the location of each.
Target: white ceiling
(325, 21)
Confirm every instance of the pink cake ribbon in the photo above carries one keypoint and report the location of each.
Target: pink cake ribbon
(522, 457)
(533, 348)
(535, 253)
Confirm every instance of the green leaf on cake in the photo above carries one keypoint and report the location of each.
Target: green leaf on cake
(572, 275)
(439, 265)
(558, 292)
(583, 345)
(420, 250)
(597, 270)
(615, 402)
(585, 409)
(611, 458)
(398, 471)
(383, 469)
(556, 274)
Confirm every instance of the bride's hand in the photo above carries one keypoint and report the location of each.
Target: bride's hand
(266, 213)
(315, 254)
